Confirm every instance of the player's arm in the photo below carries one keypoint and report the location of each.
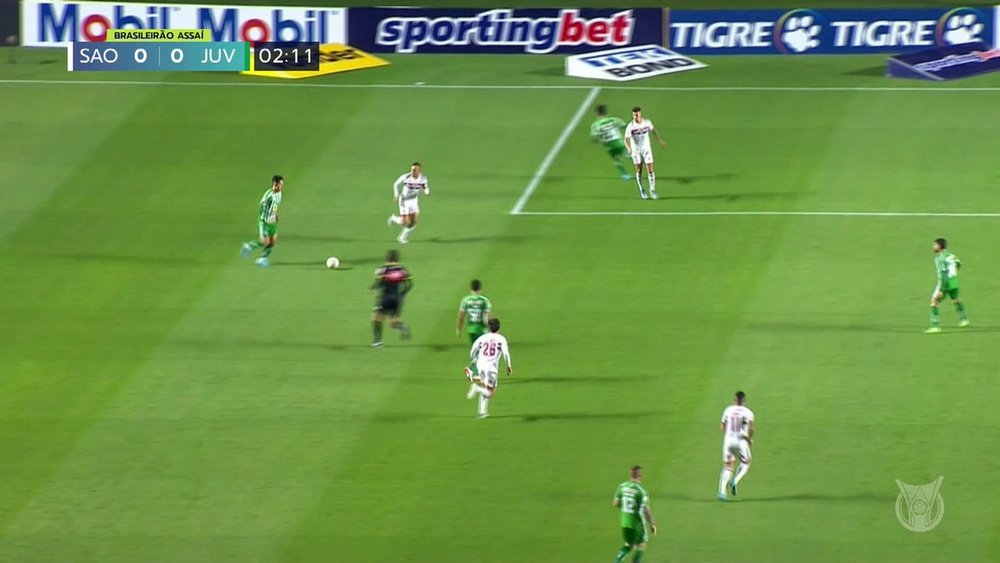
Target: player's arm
(461, 318)
(722, 425)
(397, 187)
(659, 139)
(648, 513)
(506, 358)
(750, 429)
(617, 500)
(378, 280)
(595, 132)
(952, 267)
(427, 188)
(407, 285)
(628, 137)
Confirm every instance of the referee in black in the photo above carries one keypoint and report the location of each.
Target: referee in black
(392, 282)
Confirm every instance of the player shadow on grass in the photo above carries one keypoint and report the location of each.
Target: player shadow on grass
(498, 238)
(878, 71)
(571, 416)
(850, 497)
(578, 380)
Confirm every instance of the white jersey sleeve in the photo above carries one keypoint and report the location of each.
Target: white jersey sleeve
(396, 187)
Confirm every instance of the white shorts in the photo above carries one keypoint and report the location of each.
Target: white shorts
(736, 449)
(642, 155)
(488, 377)
(409, 207)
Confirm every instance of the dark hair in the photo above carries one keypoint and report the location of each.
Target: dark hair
(941, 242)
(476, 285)
(740, 397)
(494, 325)
(602, 110)
(635, 470)
(637, 108)
(415, 164)
(277, 178)
(392, 256)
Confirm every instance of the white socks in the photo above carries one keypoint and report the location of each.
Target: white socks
(395, 219)
(406, 232)
(652, 182)
(724, 480)
(638, 180)
(484, 397)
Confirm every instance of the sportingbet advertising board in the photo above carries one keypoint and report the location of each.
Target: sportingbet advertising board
(502, 30)
(833, 32)
(54, 24)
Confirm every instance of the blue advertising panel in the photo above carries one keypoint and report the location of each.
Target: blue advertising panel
(946, 63)
(831, 32)
(502, 30)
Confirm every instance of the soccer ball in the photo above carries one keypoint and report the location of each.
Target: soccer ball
(333, 262)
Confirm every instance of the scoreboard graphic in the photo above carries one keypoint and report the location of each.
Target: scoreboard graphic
(187, 50)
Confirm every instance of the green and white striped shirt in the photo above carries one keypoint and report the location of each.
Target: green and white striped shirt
(269, 207)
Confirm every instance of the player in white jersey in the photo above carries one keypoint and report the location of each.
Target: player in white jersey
(637, 142)
(737, 431)
(405, 192)
(486, 352)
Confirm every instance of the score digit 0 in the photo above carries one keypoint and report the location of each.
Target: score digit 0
(140, 55)
(177, 56)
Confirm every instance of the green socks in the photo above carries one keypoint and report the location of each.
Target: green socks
(960, 307)
(638, 556)
(620, 167)
(267, 251)
(622, 553)
(935, 316)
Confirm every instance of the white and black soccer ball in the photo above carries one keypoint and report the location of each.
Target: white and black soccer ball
(333, 262)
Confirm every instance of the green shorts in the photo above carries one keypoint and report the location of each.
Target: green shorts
(475, 331)
(615, 150)
(950, 293)
(635, 536)
(267, 230)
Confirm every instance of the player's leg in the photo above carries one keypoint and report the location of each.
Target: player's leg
(963, 318)
(628, 534)
(268, 243)
(251, 245)
(377, 327)
(395, 219)
(617, 154)
(744, 467)
(936, 297)
(411, 223)
(637, 161)
(727, 471)
(651, 176)
(398, 325)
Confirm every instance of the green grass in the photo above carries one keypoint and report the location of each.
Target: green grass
(162, 400)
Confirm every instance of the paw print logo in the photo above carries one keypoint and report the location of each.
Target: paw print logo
(963, 28)
(801, 33)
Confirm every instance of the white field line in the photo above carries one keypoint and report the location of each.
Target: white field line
(554, 151)
(254, 84)
(753, 214)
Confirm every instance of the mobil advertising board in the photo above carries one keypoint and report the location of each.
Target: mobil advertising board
(503, 30)
(832, 32)
(55, 24)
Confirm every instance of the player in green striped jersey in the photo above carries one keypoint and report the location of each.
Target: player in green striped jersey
(608, 131)
(267, 223)
(474, 312)
(633, 501)
(947, 265)
(474, 308)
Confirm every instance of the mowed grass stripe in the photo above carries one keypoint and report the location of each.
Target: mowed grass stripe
(136, 442)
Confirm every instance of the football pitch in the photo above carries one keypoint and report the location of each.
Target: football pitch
(162, 399)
